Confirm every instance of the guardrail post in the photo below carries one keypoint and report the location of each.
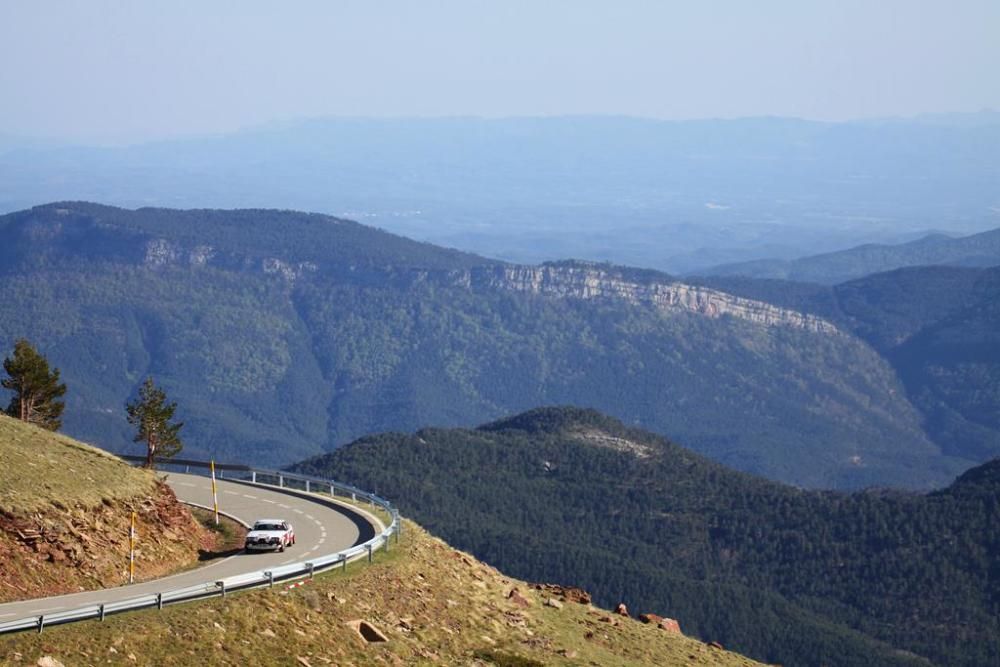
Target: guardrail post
(307, 486)
(41, 623)
(344, 560)
(270, 579)
(332, 492)
(386, 548)
(369, 553)
(102, 613)
(281, 481)
(354, 497)
(222, 585)
(312, 570)
(159, 600)
(253, 477)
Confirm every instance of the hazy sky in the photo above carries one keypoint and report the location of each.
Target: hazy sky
(132, 70)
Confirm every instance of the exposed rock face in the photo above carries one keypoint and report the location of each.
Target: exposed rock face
(160, 252)
(584, 281)
(670, 625)
(517, 598)
(290, 272)
(565, 593)
(68, 549)
(577, 280)
(621, 609)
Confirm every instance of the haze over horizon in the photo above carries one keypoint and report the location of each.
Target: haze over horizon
(103, 73)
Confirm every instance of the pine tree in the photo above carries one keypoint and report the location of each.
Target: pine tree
(36, 388)
(150, 413)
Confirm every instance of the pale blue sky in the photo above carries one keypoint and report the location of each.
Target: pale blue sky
(126, 71)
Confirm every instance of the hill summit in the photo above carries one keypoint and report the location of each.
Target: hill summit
(779, 573)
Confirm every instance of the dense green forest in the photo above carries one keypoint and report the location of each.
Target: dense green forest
(781, 574)
(939, 327)
(284, 334)
(280, 357)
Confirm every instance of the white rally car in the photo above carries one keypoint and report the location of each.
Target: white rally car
(270, 535)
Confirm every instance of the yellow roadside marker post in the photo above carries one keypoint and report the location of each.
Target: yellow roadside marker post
(131, 551)
(215, 496)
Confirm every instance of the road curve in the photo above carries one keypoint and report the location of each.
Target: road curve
(321, 526)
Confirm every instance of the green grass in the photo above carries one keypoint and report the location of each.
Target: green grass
(42, 468)
(435, 605)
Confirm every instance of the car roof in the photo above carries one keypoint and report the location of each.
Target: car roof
(269, 521)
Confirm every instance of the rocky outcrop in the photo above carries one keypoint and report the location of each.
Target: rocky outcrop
(564, 593)
(668, 624)
(593, 281)
(68, 549)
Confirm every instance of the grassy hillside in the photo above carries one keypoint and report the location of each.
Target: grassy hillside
(432, 604)
(284, 334)
(780, 574)
(42, 466)
(65, 509)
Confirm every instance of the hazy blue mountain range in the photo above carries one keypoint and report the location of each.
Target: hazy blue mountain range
(783, 575)
(976, 250)
(672, 195)
(283, 334)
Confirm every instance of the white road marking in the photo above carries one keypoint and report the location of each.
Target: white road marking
(284, 506)
(310, 516)
(265, 500)
(247, 495)
(297, 511)
(232, 493)
(183, 483)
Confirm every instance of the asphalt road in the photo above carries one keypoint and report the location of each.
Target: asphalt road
(320, 528)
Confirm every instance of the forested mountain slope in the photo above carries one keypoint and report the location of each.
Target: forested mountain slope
(780, 574)
(977, 250)
(939, 327)
(282, 334)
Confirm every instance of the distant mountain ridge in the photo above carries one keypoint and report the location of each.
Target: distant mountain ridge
(677, 196)
(783, 575)
(977, 250)
(283, 334)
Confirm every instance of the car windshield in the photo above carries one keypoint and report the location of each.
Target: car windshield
(268, 526)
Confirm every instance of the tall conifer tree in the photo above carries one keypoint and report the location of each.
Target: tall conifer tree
(150, 413)
(37, 390)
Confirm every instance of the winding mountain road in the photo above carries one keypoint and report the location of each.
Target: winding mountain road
(322, 526)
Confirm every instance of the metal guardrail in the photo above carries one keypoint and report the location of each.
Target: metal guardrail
(292, 572)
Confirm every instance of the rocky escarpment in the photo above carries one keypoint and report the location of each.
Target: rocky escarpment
(579, 280)
(593, 281)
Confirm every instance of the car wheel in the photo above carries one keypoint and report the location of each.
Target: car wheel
(281, 549)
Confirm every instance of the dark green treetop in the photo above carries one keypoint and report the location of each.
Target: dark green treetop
(37, 389)
(150, 413)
